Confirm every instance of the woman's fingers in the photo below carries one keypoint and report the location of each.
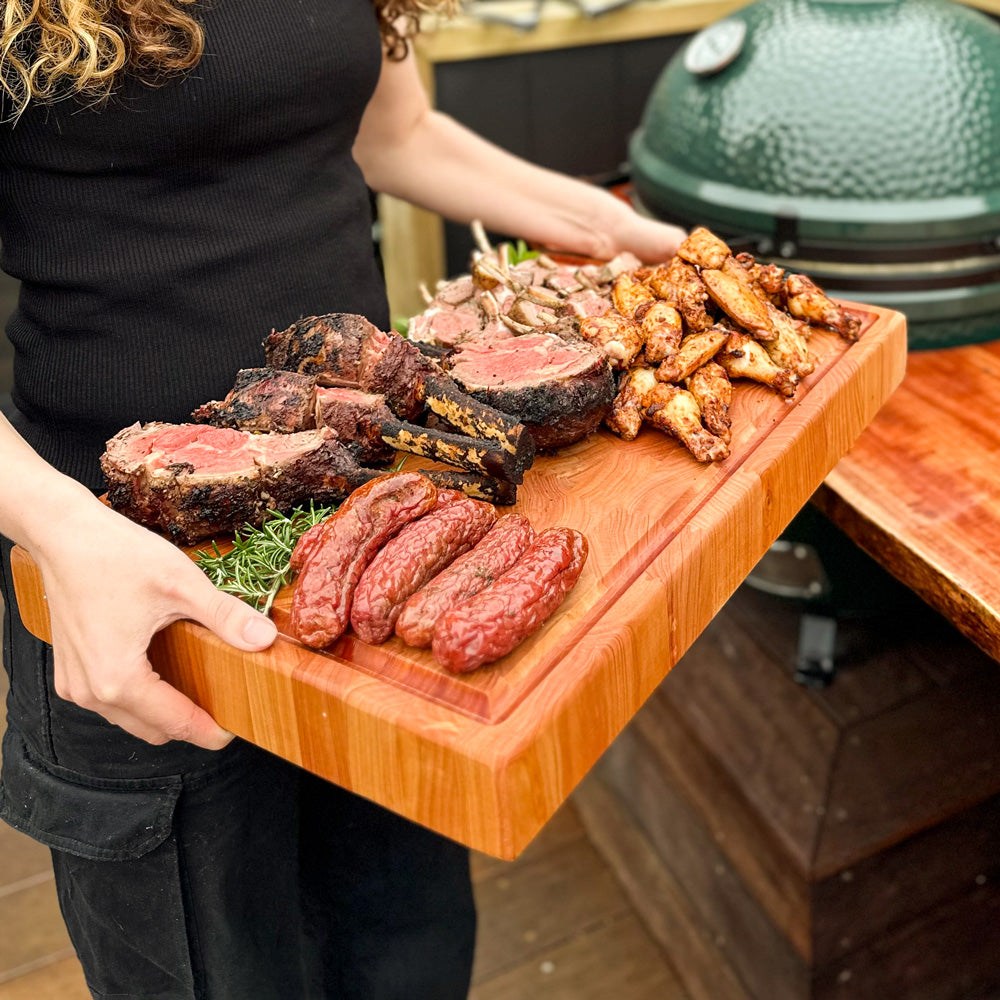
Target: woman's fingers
(231, 619)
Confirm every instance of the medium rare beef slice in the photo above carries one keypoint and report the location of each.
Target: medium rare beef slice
(561, 391)
(192, 481)
(391, 366)
(357, 418)
(187, 480)
(264, 399)
(327, 346)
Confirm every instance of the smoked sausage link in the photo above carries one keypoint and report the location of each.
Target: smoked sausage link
(470, 573)
(333, 559)
(491, 624)
(421, 550)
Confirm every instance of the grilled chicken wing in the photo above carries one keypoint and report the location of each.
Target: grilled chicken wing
(713, 392)
(676, 411)
(631, 297)
(788, 349)
(679, 283)
(734, 293)
(743, 357)
(625, 418)
(769, 278)
(618, 336)
(662, 330)
(806, 301)
(704, 248)
(695, 350)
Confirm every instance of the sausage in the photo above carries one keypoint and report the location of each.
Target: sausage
(420, 551)
(307, 543)
(490, 624)
(334, 558)
(498, 550)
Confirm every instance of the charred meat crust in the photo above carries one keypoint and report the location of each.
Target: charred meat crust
(328, 346)
(557, 409)
(188, 502)
(264, 399)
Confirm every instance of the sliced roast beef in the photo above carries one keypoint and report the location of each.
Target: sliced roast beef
(393, 367)
(357, 417)
(192, 481)
(559, 390)
(264, 399)
(327, 346)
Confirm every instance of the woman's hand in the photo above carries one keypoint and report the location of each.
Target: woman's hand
(651, 241)
(110, 586)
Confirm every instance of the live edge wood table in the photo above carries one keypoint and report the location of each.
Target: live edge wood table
(486, 758)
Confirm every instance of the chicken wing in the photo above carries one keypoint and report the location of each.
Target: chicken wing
(662, 330)
(734, 293)
(676, 411)
(743, 357)
(806, 301)
(769, 278)
(704, 248)
(626, 416)
(679, 283)
(618, 336)
(713, 392)
(695, 350)
(788, 349)
(630, 297)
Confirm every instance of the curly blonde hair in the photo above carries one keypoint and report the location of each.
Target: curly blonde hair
(50, 49)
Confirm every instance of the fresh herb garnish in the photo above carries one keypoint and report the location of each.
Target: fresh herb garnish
(519, 252)
(256, 567)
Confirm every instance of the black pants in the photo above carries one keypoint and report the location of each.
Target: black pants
(190, 875)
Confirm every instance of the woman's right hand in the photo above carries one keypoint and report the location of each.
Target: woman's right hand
(110, 586)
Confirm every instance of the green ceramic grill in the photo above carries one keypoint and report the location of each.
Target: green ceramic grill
(855, 140)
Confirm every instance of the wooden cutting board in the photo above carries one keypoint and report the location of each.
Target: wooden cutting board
(486, 758)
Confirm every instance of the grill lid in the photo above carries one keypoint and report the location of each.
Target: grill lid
(874, 121)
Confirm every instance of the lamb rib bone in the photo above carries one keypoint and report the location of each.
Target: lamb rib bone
(475, 454)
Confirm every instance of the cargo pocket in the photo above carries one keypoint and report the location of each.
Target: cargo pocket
(117, 868)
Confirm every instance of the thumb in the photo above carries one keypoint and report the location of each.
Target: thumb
(235, 622)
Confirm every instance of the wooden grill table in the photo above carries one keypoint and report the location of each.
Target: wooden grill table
(487, 758)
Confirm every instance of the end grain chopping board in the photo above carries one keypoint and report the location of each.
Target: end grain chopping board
(486, 758)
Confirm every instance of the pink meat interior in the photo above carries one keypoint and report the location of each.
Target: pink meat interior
(276, 449)
(527, 360)
(216, 450)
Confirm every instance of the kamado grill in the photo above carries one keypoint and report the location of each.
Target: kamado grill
(858, 142)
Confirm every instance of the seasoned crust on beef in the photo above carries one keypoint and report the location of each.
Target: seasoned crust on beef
(264, 399)
(328, 346)
(560, 391)
(192, 481)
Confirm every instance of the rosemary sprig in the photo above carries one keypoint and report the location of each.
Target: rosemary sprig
(256, 567)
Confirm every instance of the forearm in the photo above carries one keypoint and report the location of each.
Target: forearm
(33, 495)
(408, 150)
(448, 169)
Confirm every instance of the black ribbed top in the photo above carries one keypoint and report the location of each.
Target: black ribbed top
(160, 237)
